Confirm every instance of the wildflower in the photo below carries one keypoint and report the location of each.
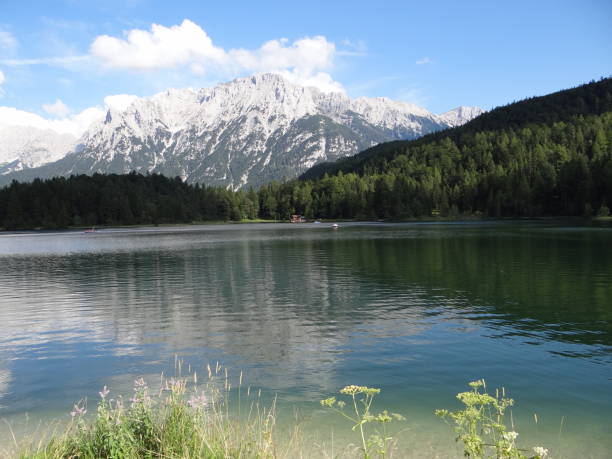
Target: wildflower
(198, 402)
(383, 417)
(351, 390)
(78, 410)
(140, 383)
(477, 384)
(138, 397)
(354, 390)
(177, 383)
(104, 392)
(540, 452)
(510, 436)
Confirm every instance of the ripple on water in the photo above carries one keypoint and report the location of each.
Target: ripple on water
(417, 310)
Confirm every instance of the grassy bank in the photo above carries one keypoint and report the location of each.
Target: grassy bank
(185, 418)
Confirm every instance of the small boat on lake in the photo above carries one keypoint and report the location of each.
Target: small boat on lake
(90, 230)
(297, 219)
(335, 226)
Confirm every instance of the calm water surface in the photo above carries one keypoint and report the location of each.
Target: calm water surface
(415, 309)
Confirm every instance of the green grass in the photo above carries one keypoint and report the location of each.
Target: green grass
(185, 418)
(182, 418)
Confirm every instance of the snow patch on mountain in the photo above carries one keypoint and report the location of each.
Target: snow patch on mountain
(27, 147)
(460, 115)
(241, 133)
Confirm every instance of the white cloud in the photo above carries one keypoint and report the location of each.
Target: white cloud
(74, 125)
(304, 56)
(58, 109)
(64, 124)
(304, 61)
(162, 47)
(320, 80)
(423, 61)
(197, 68)
(119, 102)
(7, 40)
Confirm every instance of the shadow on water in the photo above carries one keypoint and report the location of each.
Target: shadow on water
(554, 284)
(303, 310)
(524, 280)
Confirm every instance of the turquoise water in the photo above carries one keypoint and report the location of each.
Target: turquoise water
(415, 309)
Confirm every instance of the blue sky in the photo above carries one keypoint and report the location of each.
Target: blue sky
(435, 54)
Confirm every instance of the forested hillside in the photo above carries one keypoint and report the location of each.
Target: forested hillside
(594, 98)
(118, 200)
(545, 156)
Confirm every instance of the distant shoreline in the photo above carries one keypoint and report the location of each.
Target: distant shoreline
(465, 219)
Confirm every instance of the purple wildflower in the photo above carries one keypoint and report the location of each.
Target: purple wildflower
(198, 402)
(104, 392)
(78, 410)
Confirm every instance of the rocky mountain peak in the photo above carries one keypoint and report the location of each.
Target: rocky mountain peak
(243, 132)
(461, 115)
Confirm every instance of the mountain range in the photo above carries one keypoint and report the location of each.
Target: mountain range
(540, 157)
(249, 131)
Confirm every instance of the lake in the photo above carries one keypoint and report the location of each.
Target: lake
(416, 309)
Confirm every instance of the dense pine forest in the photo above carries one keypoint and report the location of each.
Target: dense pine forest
(545, 156)
(130, 199)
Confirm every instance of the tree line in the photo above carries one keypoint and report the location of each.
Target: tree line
(557, 163)
(130, 199)
(564, 169)
(594, 98)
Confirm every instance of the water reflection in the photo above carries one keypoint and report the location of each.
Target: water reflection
(414, 308)
(266, 303)
(537, 283)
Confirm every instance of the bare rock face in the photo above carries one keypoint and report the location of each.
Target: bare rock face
(243, 133)
(23, 147)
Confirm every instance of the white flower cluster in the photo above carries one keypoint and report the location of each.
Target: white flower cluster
(540, 452)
